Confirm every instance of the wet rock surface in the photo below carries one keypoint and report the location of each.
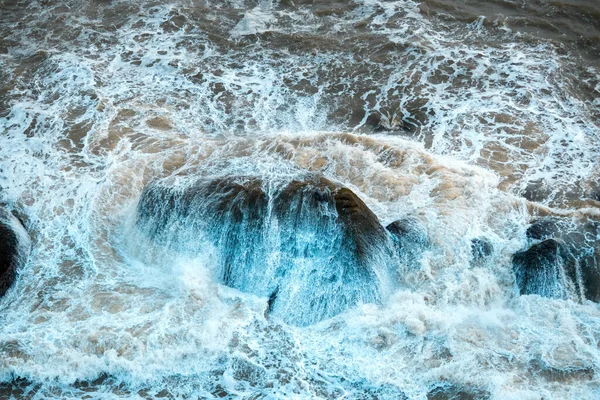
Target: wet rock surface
(382, 122)
(563, 261)
(311, 246)
(453, 392)
(410, 240)
(14, 247)
(539, 271)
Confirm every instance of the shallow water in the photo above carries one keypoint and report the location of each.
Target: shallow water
(491, 115)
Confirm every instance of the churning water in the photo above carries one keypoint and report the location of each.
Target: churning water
(205, 186)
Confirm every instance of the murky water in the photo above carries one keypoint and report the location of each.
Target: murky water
(474, 118)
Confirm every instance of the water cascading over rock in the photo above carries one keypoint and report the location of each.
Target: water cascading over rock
(311, 246)
(14, 249)
(410, 240)
(563, 260)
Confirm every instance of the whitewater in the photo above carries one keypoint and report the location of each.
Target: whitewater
(155, 153)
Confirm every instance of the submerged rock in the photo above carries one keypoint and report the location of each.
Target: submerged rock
(312, 247)
(481, 249)
(363, 390)
(14, 249)
(385, 121)
(549, 227)
(448, 391)
(410, 239)
(562, 262)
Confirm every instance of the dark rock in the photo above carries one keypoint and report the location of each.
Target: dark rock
(538, 270)
(537, 191)
(568, 257)
(550, 372)
(481, 249)
(271, 300)
(447, 391)
(546, 228)
(374, 119)
(313, 247)
(410, 239)
(14, 249)
(363, 390)
(361, 226)
(385, 122)
(8, 250)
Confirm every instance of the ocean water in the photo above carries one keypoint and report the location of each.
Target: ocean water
(474, 118)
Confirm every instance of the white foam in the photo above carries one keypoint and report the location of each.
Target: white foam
(87, 305)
